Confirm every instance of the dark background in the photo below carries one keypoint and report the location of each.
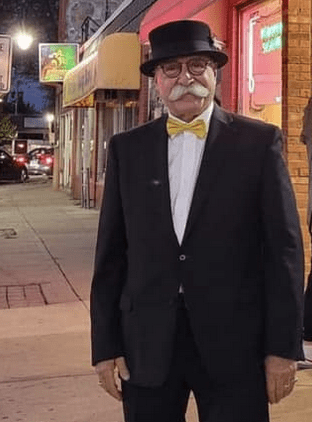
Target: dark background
(40, 19)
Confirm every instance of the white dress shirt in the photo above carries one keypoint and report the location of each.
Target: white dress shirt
(185, 151)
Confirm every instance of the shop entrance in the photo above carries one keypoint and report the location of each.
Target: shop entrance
(260, 66)
(66, 136)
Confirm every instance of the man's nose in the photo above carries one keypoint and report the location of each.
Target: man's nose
(185, 77)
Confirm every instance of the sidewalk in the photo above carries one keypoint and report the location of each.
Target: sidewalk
(45, 271)
(46, 257)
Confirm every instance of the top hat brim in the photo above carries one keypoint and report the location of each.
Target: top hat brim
(148, 68)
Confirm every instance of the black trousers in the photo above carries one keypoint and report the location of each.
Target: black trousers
(308, 309)
(216, 401)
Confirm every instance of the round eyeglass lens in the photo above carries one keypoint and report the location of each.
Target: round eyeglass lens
(172, 70)
(197, 66)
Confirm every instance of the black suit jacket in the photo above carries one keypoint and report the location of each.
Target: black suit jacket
(240, 262)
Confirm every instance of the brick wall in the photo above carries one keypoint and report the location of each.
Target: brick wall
(297, 80)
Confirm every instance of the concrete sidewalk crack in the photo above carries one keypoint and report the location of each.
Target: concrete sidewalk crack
(46, 377)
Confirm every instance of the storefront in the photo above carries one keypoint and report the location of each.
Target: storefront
(260, 69)
(252, 81)
(101, 94)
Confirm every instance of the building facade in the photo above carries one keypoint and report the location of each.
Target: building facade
(98, 98)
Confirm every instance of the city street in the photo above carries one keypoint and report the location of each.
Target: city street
(46, 256)
(229, 85)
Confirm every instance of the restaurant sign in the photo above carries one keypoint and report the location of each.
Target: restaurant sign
(81, 81)
(55, 60)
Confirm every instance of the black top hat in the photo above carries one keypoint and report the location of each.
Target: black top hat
(181, 38)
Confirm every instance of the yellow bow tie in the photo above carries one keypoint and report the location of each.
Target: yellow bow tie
(198, 127)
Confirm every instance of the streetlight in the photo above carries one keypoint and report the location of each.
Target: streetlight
(49, 117)
(24, 40)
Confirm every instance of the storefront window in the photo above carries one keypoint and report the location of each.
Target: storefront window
(78, 146)
(117, 113)
(156, 106)
(260, 83)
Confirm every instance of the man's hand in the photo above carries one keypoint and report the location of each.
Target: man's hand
(280, 377)
(106, 371)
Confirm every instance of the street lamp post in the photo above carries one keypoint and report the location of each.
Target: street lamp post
(50, 118)
(23, 41)
(16, 87)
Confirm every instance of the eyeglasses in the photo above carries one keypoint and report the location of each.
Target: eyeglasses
(196, 67)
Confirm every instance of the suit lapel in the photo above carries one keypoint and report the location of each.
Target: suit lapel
(160, 176)
(220, 133)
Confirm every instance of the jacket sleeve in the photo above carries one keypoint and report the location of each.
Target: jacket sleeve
(109, 268)
(283, 258)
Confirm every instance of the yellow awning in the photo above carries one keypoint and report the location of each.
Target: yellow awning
(114, 66)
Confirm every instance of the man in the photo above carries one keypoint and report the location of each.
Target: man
(199, 269)
(306, 138)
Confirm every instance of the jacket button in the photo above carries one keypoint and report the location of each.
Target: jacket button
(182, 257)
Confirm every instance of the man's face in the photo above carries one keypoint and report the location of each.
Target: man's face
(183, 88)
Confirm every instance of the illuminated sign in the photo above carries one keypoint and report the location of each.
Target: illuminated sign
(55, 60)
(35, 122)
(5, 63)
(81, 82)
(271, 37)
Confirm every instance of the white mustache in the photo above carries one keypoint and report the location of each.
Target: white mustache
(195, 89)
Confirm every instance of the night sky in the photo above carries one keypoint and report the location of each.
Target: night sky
(39, 18)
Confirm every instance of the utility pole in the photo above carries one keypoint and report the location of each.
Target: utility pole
(106, 10)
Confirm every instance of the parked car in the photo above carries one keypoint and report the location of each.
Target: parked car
(11, 168)
(40, 161)
(22, 159)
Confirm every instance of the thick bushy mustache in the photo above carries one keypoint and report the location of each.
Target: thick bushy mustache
(195, 89)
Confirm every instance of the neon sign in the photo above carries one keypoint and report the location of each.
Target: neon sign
(271, 37)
